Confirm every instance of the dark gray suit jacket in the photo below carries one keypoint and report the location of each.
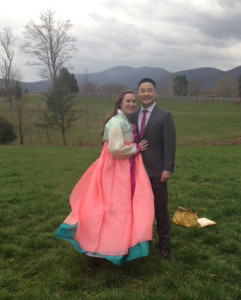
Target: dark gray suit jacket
(160, 134)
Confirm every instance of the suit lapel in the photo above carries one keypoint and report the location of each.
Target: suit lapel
(136, 121)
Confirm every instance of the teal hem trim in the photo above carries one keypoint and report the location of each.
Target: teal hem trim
(67, 232)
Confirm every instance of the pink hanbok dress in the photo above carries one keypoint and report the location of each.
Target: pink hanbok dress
(112, 206)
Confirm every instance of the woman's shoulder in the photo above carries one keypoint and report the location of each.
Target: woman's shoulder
(116, 120)
(119, 121)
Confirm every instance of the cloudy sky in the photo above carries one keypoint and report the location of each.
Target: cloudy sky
(171, 34)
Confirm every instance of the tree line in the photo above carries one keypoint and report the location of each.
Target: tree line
(226, 86)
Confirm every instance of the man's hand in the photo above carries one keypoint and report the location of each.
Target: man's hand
(165, 176)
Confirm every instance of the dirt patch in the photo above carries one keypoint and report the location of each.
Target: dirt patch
(226, 142)
(232, 141)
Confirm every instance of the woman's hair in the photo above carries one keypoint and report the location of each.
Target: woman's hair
(116, 106)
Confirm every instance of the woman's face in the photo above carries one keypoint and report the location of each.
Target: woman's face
(128, 104)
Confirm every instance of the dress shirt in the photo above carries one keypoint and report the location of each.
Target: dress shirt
(148, 113)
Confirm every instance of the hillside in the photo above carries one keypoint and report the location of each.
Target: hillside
(129, 77)
(126, 76)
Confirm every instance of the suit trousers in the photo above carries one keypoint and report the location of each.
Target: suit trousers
(161, 211)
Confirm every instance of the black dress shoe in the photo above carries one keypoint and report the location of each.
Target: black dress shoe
(164, 253)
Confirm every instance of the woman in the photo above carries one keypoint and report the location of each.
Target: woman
(112, 204)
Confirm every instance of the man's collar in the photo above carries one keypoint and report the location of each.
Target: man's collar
(150, 108)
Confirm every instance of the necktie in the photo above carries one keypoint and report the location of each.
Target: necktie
(143, 123)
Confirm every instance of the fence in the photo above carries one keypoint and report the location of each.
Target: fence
(198, 99)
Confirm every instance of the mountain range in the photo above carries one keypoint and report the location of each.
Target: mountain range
(129, 77)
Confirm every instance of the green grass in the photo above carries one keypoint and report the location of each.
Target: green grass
(207, 124)
(35, 183)
(196, 123)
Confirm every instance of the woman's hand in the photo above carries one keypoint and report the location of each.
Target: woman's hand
(143, 145)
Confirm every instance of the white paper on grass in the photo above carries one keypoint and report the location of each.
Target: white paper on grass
(203, 222)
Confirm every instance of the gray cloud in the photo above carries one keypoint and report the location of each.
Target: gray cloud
(172, 34)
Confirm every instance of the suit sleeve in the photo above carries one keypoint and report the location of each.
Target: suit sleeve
(169, 143)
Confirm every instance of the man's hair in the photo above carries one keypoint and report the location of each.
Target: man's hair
(147, 80)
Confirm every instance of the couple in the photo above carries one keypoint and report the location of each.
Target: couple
(112, 207)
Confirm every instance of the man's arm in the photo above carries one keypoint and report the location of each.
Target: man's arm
(169, 144)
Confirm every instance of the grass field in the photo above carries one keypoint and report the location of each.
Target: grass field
(204, 264)
(35, 183)
(196, 123)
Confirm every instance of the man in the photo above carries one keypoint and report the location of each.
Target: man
(157, 127)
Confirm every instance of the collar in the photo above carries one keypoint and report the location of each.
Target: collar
(149, 109)
(119, 112)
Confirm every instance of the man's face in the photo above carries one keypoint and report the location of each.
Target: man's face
(146, 94)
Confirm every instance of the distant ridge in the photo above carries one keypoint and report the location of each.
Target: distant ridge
(129, 77)
(38, 87)
(122, 75)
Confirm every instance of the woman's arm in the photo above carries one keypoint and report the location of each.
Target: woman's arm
(117, 146)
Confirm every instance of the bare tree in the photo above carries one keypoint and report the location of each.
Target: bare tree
(50, 43)
(226, 86)
(7, 55)
(195, 86)
(165, 86)
(19, 107)
(86, 90)
(111, 90)
(239, 88)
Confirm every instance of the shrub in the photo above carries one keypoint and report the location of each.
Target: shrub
(7, 131)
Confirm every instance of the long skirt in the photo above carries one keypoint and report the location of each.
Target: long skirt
(112, 210)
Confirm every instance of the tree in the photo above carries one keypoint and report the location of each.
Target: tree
(180, 85)
(195, 86)
(165, 87)
(225, 86)
(239, 88)
(50, 43)
(19, 106)
(111, 90)
(3, 92)
(44, 126)
(88, 88)
(7, 70)
(60, 112)
(68, 80)
(7, 132)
